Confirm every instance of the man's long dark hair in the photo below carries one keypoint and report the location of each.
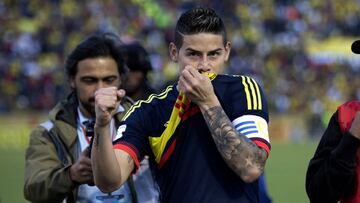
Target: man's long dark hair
(99, 45)
(198, 20)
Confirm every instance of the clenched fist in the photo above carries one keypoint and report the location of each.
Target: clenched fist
(107, 101)
(197, 87)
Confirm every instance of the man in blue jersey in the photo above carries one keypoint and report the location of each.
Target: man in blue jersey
(207, 134)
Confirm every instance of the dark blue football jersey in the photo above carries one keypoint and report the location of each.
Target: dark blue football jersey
(172, 132)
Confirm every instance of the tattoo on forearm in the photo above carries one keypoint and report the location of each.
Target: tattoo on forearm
(239, 152)
(96, 141)
(129, 159)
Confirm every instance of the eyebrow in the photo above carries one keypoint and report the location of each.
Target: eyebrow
(193, 50)
(102, 78)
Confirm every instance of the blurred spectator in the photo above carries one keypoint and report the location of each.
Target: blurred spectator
(138, 61)
(333, 172)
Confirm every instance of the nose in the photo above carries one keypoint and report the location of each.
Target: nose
(203, 65)
(100, 84)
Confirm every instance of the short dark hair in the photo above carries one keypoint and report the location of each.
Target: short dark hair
(97, 45)
(198, 20)
(136, 57)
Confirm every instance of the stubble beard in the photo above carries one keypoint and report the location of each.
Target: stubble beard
(89, 106)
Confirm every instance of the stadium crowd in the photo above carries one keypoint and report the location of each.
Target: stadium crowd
(269, 43)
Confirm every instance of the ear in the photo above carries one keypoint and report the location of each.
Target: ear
(174, 52)
(72, 82)
(227, 50)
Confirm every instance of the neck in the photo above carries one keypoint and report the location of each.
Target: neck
(85, 113)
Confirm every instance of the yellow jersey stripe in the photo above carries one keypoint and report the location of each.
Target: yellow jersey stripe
(246, 88)
(258, 94)
(151, 97)
(253, 93)
(158, 144)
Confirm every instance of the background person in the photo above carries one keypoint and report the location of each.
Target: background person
(138, 61)
(57, 165)
(333, 173)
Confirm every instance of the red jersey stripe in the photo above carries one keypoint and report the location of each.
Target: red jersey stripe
(131, 152)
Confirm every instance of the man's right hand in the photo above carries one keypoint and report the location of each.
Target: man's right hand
(197, 87)
(81, 171)
(107, 100)
(355, 126)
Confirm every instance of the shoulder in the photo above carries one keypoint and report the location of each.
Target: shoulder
(246, 83)
(352, 104)
(40, 134)
(152, 102)
(241, 88)
(233, 78)
(47, 125)
(346, 113)
(43, 128)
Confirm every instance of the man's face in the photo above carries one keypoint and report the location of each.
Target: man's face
(204, 51)
(134, 81)
(92, 74)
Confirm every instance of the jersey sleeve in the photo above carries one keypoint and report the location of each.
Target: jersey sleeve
(248, 111)
(131, 135)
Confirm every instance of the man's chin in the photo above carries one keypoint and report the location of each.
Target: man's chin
(92, 111)
(90, 108)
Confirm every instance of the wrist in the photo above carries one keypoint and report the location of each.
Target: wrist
(208, 104)
(101, 129)
(101, 124)
(71, 177)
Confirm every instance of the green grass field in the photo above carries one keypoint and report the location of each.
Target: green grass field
(285, 169)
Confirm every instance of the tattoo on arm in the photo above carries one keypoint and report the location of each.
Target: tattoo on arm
(96, 141)
(129, 159)
(238, 151)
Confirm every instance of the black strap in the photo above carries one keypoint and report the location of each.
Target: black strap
(89, 129)
(131, 184)
(60, 149)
